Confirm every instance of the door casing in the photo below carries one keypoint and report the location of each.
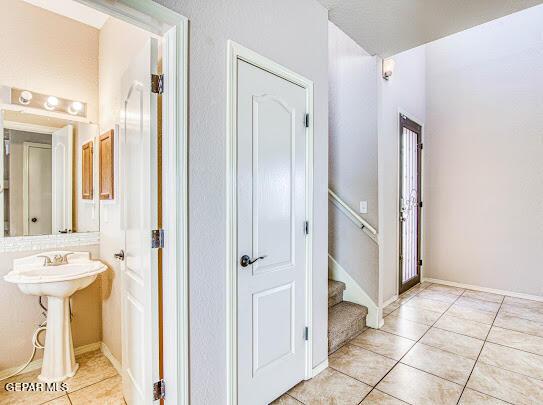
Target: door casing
(173, 28)
(237, 52)
(26, 190)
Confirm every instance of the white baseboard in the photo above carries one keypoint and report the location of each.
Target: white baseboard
(320, 368)
(36, 364)
(355, 293)
(390, 301)
(485, 289)
(106, 352)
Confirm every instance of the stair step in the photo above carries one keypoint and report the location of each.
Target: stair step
(335, 292)
(346, 320)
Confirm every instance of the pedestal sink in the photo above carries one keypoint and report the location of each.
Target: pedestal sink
(57, 283)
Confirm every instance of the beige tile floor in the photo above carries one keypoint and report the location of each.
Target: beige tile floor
(96, 383)
(439, 345)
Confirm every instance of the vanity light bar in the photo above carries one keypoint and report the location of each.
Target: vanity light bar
(47, 102)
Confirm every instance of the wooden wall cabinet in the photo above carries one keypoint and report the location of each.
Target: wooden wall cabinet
(87, 170)
(107, 174)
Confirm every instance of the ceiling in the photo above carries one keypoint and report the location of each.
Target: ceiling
(74, 10)
(387, 27)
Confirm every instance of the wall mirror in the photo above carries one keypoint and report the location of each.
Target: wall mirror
(49, 175)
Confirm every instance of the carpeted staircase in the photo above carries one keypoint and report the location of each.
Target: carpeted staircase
(346, 319)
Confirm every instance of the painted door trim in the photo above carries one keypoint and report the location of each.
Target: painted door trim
(26, 147)
(235, 52)
(22, 126)
(173, 28)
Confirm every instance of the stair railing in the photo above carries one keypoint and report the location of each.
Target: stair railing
(353, 216)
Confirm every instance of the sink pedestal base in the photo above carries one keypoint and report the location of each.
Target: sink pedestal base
(58, 357)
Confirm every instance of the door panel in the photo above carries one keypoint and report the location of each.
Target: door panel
(139, 212)
(410, 198)
(270, 347)
(39, 188)
(271, 214)
(62, 144)
(273, 198)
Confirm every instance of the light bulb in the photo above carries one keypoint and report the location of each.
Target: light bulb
(388, 68)
(51, 103)
(25, 97)
(75, 108)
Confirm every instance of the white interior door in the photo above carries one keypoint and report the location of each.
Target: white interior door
(37, 197)
(139, 269)
(271, 184)
(62, 155)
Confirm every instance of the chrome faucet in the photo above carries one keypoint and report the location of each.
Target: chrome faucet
(57, 260)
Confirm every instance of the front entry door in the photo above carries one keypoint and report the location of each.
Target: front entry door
(139, 206)
(271, 184)
(410, 203)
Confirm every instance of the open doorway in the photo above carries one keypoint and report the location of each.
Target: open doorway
(410, 203)
(97, 109)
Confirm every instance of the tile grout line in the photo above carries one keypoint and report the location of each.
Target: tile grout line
(518, 331)
(480, 351)
(397, 361)
(288, 395)
(90, 385)
(485, 340)
(417, 341)
(514, 348)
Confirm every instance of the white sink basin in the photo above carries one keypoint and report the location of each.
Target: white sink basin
(57, 283)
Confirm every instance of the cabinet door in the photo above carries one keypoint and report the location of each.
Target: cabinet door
(107, 180)
(87, 156)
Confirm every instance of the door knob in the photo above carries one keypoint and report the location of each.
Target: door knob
(246, 260)
(119, 256)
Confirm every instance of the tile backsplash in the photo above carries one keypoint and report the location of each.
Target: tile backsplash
(40, 242)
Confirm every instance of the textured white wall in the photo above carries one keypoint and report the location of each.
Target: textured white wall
(49, 53)
(404, 92)
(483, 155)
(119, 43)
(294, 34)
(352, 119)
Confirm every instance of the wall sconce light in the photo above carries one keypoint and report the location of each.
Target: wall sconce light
(388, 68)
(25, 97)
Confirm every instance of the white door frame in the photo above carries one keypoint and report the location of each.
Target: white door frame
(237, 52)
(26, 194)
(173, 28)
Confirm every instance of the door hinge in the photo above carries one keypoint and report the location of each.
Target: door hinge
(159, 390)
(157, 238)
(306, 121)
(306, 227)
(157, 84)
(420, 204)
(420, 262)
(306, 333)
(421, 146)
